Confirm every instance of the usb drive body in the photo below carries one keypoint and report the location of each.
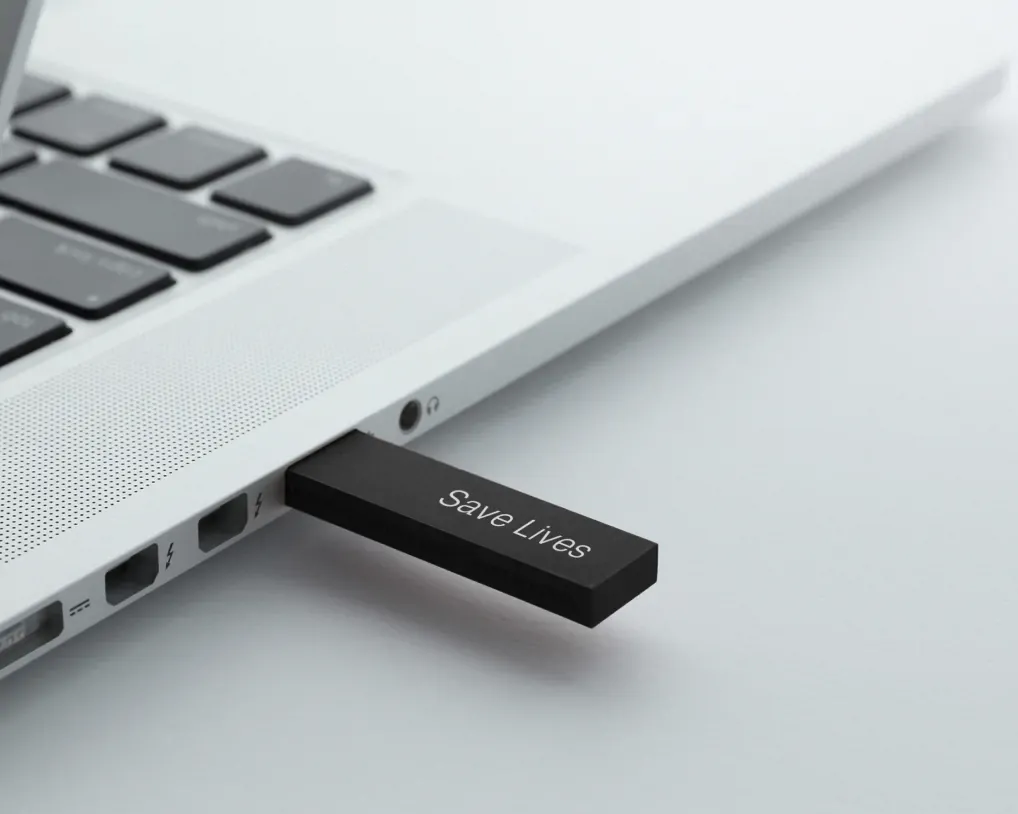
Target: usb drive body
(540, 553)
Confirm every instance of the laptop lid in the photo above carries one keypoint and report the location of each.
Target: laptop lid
(18, 19)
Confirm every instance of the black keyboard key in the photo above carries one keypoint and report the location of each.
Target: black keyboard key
(35, 91)
(78, 277)
(14, 154)
(23, 330)
(292, 192)
(186, 158)
(88, 125)
(150, 221)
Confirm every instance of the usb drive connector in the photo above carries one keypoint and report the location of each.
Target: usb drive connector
(543, 554)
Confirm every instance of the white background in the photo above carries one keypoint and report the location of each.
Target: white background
(822, 435)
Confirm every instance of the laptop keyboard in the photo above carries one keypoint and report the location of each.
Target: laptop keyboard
(135, 205)
(73, 276)
(147, 220)
(36, 92)
(187, 158)
(86, 126)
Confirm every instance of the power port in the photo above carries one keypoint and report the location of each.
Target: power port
(410, 416)
(133, 575)
(225, 523)
(30, 633)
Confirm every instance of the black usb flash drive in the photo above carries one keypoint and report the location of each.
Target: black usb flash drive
(543, 554)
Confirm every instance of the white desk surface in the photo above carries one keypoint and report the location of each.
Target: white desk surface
(823, 436)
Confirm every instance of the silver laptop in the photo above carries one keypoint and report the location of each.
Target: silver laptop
(191, 298)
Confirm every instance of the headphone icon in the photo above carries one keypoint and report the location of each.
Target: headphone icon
(433, 405)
